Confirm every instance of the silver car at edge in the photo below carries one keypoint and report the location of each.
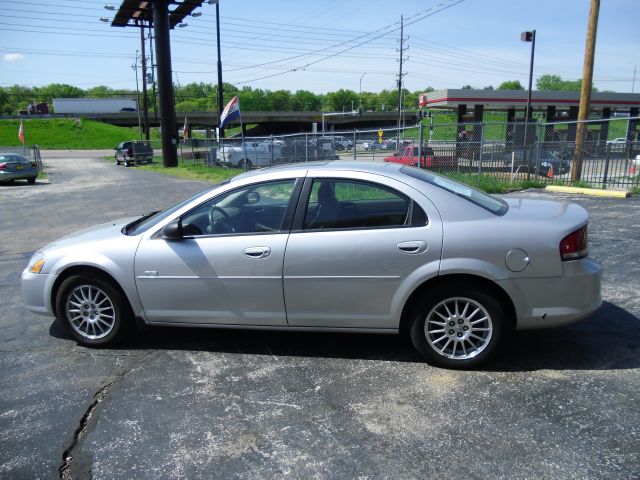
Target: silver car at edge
(336, 246)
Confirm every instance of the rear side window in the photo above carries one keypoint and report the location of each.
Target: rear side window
(346, 204)
(495, 205)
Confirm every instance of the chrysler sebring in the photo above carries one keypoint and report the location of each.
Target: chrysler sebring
(337, 246)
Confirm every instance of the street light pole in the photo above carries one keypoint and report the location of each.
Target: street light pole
(529, 37)
(360, 91)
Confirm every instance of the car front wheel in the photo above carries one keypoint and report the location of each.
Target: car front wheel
(92, 310)
(457, 326)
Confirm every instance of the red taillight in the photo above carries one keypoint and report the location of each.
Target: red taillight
(3, 166)
(574, 245)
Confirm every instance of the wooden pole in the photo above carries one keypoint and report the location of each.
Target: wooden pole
(585, 92)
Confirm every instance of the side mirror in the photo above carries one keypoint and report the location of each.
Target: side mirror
(173, 231)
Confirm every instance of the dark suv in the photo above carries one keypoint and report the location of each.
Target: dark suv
(133, 153)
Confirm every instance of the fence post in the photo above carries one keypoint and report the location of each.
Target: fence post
(606, 165)
(420, 138)
(481, 151)
(538, 145)
(354, 142)
(272, 153)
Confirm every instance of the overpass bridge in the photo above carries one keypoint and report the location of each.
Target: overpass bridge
(266, 122)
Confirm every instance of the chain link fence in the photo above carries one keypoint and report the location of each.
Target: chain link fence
(541, 152)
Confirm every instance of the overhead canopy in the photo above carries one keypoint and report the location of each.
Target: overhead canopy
(505, 99)
(132, 11)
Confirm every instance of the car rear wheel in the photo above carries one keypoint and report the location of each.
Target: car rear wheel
(457, 326)
(92, 310)
(31, 180)
(245, 164)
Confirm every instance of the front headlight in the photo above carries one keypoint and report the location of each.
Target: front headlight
(36, 263)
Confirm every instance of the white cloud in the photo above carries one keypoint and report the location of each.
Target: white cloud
(13, 57)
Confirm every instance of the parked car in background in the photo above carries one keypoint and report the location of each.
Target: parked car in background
(301, 151)
(395, 145)
(410, 156)
(249, 154)
(339, 142)
(133, 153)
(615, 141)
(372, 145)
(634, 168)
(549, 163)
(17, 167)
(338, 246)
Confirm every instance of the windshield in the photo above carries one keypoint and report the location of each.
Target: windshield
(495, 205)
(137, 227)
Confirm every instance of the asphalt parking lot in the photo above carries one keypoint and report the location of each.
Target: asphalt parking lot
(170, 403)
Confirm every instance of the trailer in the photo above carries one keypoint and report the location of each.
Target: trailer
(94, 105)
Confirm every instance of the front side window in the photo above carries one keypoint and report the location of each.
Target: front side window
(256, 208)
(347, 204)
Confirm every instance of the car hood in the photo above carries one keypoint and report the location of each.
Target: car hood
(97, 233)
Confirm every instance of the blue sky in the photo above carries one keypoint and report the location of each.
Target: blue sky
(323, 45)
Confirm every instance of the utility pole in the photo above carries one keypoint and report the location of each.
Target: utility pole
(400, 74)
(633, 82)
(220, 88)
(134, 67)
(145, 102)
(585, 92)
(153, 75)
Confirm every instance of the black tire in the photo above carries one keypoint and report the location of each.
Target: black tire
(117, 161)
(102, 316)
(466, 337)
(245, 164)
(31, 180)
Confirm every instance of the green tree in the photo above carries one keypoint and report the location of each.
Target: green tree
(511, 85)
(19, 97)
(280, 100)
(467, 87)
(100, 91)
(341, 100)
(555, 82)
(305, 101)
(5, 108)
(59, 90)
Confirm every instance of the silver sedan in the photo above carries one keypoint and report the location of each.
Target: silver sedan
(337, 246)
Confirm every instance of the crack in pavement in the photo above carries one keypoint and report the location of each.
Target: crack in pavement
(80, 433)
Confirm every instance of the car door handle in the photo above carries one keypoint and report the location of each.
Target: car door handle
(257, 252)
(413, 247)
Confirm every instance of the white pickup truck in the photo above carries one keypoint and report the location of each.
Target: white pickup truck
(251, 154)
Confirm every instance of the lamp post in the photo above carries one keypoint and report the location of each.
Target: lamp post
(529, 37)
(360, 91)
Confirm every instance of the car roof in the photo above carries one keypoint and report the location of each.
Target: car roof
(309, 168)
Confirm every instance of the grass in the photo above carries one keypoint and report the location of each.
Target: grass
(58, 134)
(493, 184)
(190, 171)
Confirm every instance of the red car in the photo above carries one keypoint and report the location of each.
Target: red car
(409, 156)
